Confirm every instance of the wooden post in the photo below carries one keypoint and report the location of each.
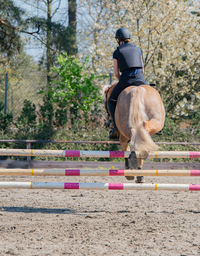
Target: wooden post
(28, 146)
(6, 90)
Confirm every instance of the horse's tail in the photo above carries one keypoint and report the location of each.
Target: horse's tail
(140, 138)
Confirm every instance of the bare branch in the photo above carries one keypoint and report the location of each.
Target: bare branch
(18, 30)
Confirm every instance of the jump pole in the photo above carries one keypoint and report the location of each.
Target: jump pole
(98, 186)
(98, 154)
(96, 172)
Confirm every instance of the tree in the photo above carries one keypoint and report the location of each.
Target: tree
(55, 37)
(13, 60)
(55, 34)
(10, 18)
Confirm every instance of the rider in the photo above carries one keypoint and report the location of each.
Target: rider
(127, 60)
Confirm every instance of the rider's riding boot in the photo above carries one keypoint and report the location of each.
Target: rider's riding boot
(114, 134)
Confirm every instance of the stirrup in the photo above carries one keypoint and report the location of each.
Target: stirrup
(160, 132)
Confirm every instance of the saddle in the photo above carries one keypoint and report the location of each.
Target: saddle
(137, 83)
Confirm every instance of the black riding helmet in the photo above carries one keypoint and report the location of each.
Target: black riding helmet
(122, 33)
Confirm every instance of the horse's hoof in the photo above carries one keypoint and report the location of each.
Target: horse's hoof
(131, 162)
(130, 177)
(140, 179)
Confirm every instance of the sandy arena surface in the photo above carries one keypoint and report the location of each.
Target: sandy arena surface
(116, 223)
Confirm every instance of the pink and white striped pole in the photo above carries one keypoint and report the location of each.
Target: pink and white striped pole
(98, 186)
(96, 172)
(96, 154)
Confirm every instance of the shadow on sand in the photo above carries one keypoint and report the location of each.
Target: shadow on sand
(38, 210)
(48, 210)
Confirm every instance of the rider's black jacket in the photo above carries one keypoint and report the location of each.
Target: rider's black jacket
(128, 56)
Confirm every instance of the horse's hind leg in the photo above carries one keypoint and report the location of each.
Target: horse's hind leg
(124, 143)
(131, 161)
(140, 179)
(142, 156)
(153, 126)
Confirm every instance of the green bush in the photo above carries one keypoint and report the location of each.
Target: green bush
(74, 92)
(27, 118)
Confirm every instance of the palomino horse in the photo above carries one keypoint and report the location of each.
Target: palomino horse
(139, 114)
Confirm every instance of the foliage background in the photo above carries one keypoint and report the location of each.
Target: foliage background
(166, 31)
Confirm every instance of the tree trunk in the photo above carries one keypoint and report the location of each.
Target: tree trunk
(49, 63)
(48, 43)
(71, 29)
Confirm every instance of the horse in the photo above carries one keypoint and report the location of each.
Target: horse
(139, 114)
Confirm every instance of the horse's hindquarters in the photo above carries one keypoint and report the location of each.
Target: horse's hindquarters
(139, 115)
